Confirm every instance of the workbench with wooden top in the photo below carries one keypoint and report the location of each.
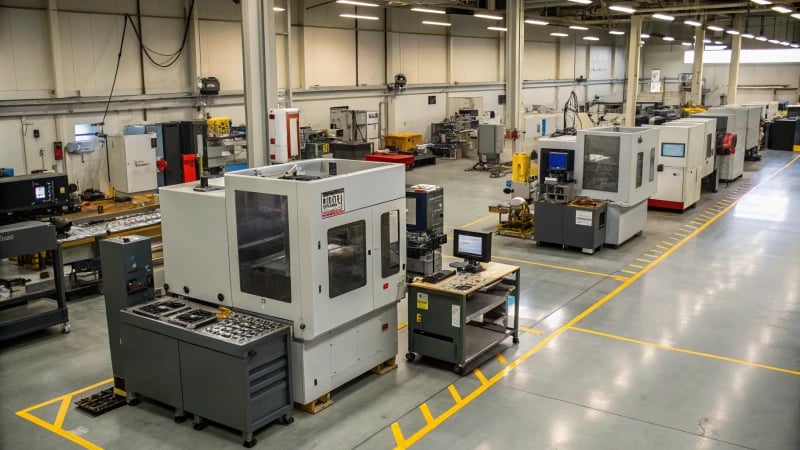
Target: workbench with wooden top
(461, 318)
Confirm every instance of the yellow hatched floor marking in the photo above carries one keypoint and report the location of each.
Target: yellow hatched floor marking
(588, 311)
(650, 256)
(426, 413)
(683, 350)
(637, 266)
(644, 260)
(661, 247)
(628, 271)
(399, 440)
(691, 226)
(501, 358)
(480, 376)
(455, 394)
(667, 243)
(531, 331)
(695, 222)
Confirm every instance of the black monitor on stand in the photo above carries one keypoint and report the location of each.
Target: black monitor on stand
(475, 247)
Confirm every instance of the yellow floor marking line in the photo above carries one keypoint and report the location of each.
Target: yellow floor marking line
(402, 325)
(525, 356)
(667, 243)
(707, 217)
(478, 220)
(55, 427)
(455, 394)
(481, 377)
(628, 271)
(683, 350)
(531, 331)
(694, 227)
(426, 412)
(398, 435)
(551, 266)
(501, 358)
(673, 238)
(661, 247)
(644, 260)
(694, 222)
(650, 256)
(637, 266)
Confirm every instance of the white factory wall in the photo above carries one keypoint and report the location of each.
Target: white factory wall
(669, 58)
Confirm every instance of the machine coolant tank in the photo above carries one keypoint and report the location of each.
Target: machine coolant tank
(520, 167)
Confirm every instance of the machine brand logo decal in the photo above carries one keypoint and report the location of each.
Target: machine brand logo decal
(6, 237)
(332, 203)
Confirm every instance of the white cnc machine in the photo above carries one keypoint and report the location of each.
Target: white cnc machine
(680, 161)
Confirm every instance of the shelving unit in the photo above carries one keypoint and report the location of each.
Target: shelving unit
(460, 319)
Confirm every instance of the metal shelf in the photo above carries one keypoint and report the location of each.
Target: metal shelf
(480, 303)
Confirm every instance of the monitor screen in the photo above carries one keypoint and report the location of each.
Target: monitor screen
(673, 150)
(472, 245)
(557, 161)
(39, 193)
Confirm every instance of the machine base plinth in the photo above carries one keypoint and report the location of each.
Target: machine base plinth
(386, 366)
(317, 405)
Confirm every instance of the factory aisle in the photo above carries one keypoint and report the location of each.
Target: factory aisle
(699, 351)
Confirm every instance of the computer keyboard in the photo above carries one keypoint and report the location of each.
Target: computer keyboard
(438, 276)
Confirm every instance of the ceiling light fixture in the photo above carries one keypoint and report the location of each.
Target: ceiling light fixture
(616, 32)
(774, 41)
(591, 38)
(782, 9)
(666, 17)
(487, 16)
(734, 32)
(278, 9)
(559, 34)
(707, 41)
(796, 15)
(688, 44)
(582, 2)
(762, 2)
(644, 35)
(715, 28)
(748, 36)
(356, 3)
(430, 11)
(718, 42)
(668, 38)
(497, 28)
(577, 27)
(715, 47)
(693, 23)
(761, 38)
(536, 22)
(355, 16)
(625, 9)
(785, 43)
(440, 24)
(794, 45)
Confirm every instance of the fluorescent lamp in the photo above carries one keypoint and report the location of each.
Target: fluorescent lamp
(693, 23)
(577, 27)
(666, 17)
(774, 41)
(782, 9)
(278, 9)
(718, 42)
(761, 38)
(796, 15)
(734, 32)
(795, 45)
(715, 28)
(707, 41)
(748, 36)
(441, 24)
(591, 38)
(356, 3)
(785, 43)
(496, 28)
(715, 47)
(625, 9)
(644, 35)
(582, 2)
(762, 2)
(536, 22)
(688, 44)
(355, 16)
(559, 34)
(426, 10)
(616, 32)
(668, 38)
(488, 16)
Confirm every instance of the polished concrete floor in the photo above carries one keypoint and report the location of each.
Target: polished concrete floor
(686, 337)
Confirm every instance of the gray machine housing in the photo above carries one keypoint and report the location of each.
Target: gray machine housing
(424, 228)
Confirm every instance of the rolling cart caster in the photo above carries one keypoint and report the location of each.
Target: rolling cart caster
(250, 443)
(286, 419)
(179, 419)
(410, 356)
(66, 328)
(515, 340)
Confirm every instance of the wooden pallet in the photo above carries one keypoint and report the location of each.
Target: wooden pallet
(317, 405)
(386, 366)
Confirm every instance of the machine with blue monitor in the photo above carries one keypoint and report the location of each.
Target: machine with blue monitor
(557, 161)
(475, 247)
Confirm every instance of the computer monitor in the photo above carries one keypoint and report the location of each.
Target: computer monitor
(557, 161)
(475, 247)
(673, 150)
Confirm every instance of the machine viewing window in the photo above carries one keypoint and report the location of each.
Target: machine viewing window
(601, 163)
(639, 168)
(652, 164)
(673, 150)
(390, 243)
(347, 258)
(262, 232)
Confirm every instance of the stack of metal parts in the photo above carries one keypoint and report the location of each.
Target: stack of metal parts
(120, 224)
(424, 228)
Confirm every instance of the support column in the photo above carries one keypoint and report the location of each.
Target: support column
(515, 41)
(260, 75)
(632, 70)
(194, 46)
(289, 72)
(733, 68)
(697, 67)
(58, 78)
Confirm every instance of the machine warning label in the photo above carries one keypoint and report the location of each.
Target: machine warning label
(332, 203)
(456, 316)
(422, 301)
(583, 218)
